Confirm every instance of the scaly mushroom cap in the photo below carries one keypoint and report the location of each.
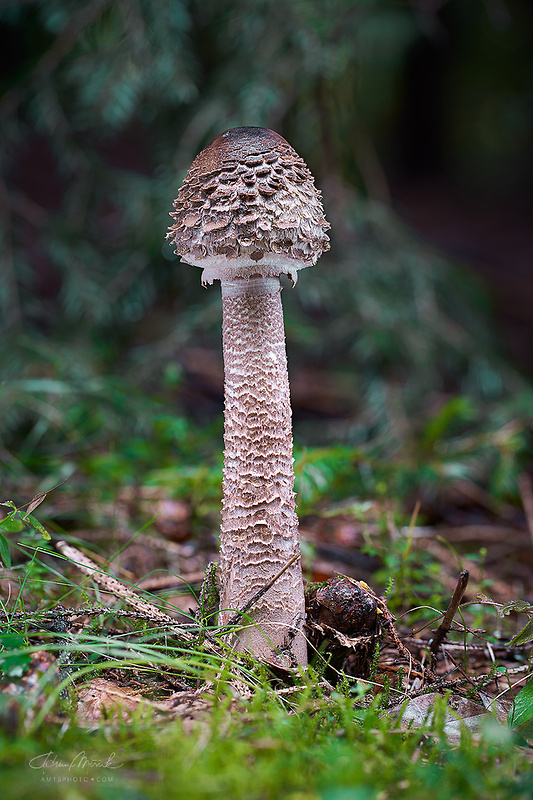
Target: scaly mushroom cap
(249, 206)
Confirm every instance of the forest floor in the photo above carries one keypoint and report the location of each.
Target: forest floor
(113, 683)
(131, 678)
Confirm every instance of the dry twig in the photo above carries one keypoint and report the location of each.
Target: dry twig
(109, 584)
(444, 627)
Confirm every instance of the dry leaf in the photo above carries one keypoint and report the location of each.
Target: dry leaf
(461, 713)
(38, 499)
(105, 699)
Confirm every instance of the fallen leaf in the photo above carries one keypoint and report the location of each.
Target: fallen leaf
(101, 699)
(461, 713)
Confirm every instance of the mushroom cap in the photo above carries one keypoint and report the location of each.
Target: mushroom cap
(249, 206)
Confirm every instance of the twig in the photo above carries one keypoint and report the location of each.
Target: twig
(38, 499)
(259, 594)
(387, 621)
(444, 627)
(118, 589)
(48, 618)
(500, 650)
(443, 683)
(155, 582)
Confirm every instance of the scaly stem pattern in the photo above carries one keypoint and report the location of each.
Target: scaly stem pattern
(259, 532)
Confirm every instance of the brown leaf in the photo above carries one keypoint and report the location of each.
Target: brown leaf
(460, 713)
(103, 699)
(38, 499)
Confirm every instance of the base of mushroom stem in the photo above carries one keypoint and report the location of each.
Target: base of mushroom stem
(259, 645)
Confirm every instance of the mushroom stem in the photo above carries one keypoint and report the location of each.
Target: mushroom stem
(259, 532)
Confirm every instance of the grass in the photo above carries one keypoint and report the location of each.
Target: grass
(299, 742)
(318, 747)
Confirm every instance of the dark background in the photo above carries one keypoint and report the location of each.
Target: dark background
(416, 119)
(462, 173)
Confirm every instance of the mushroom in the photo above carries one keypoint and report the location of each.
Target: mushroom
(248, 211)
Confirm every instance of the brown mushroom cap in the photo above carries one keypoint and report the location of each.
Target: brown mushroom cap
(249, 206)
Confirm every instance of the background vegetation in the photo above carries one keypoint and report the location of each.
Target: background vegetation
(103, 107)
(402, 384)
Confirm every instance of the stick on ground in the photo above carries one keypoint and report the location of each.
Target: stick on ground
(444, 627)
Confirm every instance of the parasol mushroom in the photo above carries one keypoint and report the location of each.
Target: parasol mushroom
(248, 211)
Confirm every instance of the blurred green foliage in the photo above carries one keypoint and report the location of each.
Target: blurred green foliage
(329, 748)
(103, 107)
